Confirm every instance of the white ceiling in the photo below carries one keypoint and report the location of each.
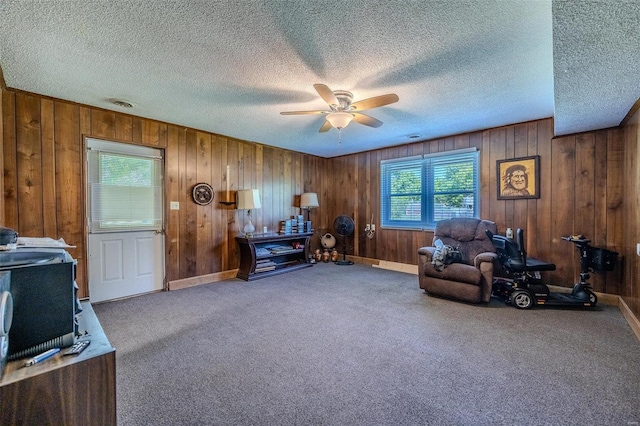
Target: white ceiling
(230, 67)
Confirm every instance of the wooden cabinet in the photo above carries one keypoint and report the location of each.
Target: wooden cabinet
(264, 255)
(64, 390)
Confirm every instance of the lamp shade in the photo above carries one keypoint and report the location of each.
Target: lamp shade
(248, 199)
(339, 119)
(309, 200)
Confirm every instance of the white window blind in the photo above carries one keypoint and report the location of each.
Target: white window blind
(416, 192)
(125, 192)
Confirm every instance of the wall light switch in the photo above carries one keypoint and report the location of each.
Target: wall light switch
(174, 205)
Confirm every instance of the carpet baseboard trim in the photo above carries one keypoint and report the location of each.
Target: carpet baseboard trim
(398, 267)
(201, 279)
(633, 321)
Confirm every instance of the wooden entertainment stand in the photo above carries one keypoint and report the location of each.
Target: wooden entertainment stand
(64, 390)
(264, 255)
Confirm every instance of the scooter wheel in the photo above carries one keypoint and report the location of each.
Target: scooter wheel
(521, 299)
(593, 299)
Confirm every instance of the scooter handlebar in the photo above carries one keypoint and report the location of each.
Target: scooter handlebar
(576, 239)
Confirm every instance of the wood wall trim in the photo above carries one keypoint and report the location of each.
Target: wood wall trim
(398, 267)
(201, 279)
(628, 314)
(632, 111)
(3, 83)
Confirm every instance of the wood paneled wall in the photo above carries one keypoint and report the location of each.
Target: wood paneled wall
(201, 239)
(581, 192)
(630, 291)
(582, 187)
(42, 146)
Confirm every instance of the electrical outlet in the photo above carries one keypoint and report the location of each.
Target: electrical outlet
(373, 227)
(174, 205)
(638, 249)
(367, 228)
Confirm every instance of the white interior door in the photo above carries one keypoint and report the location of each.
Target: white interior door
(124, 264)
(124, 210)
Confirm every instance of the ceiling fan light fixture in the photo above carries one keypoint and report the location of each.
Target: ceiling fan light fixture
(339, 119)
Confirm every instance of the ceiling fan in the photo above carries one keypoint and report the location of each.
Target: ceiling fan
(344, 110)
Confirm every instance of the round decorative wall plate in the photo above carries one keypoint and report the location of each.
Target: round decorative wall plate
(202, 194)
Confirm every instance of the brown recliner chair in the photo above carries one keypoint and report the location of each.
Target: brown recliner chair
(470, 280)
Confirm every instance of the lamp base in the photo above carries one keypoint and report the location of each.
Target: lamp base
(249, 229)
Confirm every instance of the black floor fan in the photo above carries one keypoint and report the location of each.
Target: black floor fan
(344, 226)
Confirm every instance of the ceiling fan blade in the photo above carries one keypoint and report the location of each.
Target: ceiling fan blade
(326, 94)
(376, 101)
(326, 126)
(303, 112)
(366, 120)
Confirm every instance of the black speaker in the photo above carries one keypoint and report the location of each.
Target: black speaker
(42, 287)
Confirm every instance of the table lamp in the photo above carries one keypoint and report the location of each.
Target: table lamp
(248, 199)
(308, 201)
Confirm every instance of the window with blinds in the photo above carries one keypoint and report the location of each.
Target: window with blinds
(418, 191)
(125, 192)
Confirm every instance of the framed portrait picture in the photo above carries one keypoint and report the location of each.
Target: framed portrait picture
(519, 178)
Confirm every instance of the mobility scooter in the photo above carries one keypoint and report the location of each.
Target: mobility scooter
(525, 288)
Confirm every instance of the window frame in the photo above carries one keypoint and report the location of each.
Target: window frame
(99, 193)
(427, 164)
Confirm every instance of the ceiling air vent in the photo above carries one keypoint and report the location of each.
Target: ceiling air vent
(121, 103)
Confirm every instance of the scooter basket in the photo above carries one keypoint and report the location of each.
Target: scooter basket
(603, 259)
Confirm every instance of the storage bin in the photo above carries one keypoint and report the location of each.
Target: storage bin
(603, 259)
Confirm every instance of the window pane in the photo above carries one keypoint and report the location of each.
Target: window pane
(125, 191)
(406, 181)
(125, 171)
(449, 206)
(406, 208)
(453, 177)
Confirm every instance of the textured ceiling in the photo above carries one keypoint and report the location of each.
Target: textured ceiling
(230, 67)
(596, 63)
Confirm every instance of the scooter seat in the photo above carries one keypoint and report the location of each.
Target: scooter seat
(532, 265)
(539, 265)
(513, 256)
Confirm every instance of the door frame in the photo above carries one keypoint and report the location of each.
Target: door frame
(85, 205)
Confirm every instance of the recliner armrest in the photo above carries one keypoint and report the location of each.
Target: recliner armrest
(484, 257)
(427, 252)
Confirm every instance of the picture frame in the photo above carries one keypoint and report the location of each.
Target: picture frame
(518, 178)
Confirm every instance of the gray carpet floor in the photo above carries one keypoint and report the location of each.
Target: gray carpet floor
(357, 345)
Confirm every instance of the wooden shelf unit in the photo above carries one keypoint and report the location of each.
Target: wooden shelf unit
(64, 390)
(259, 257)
